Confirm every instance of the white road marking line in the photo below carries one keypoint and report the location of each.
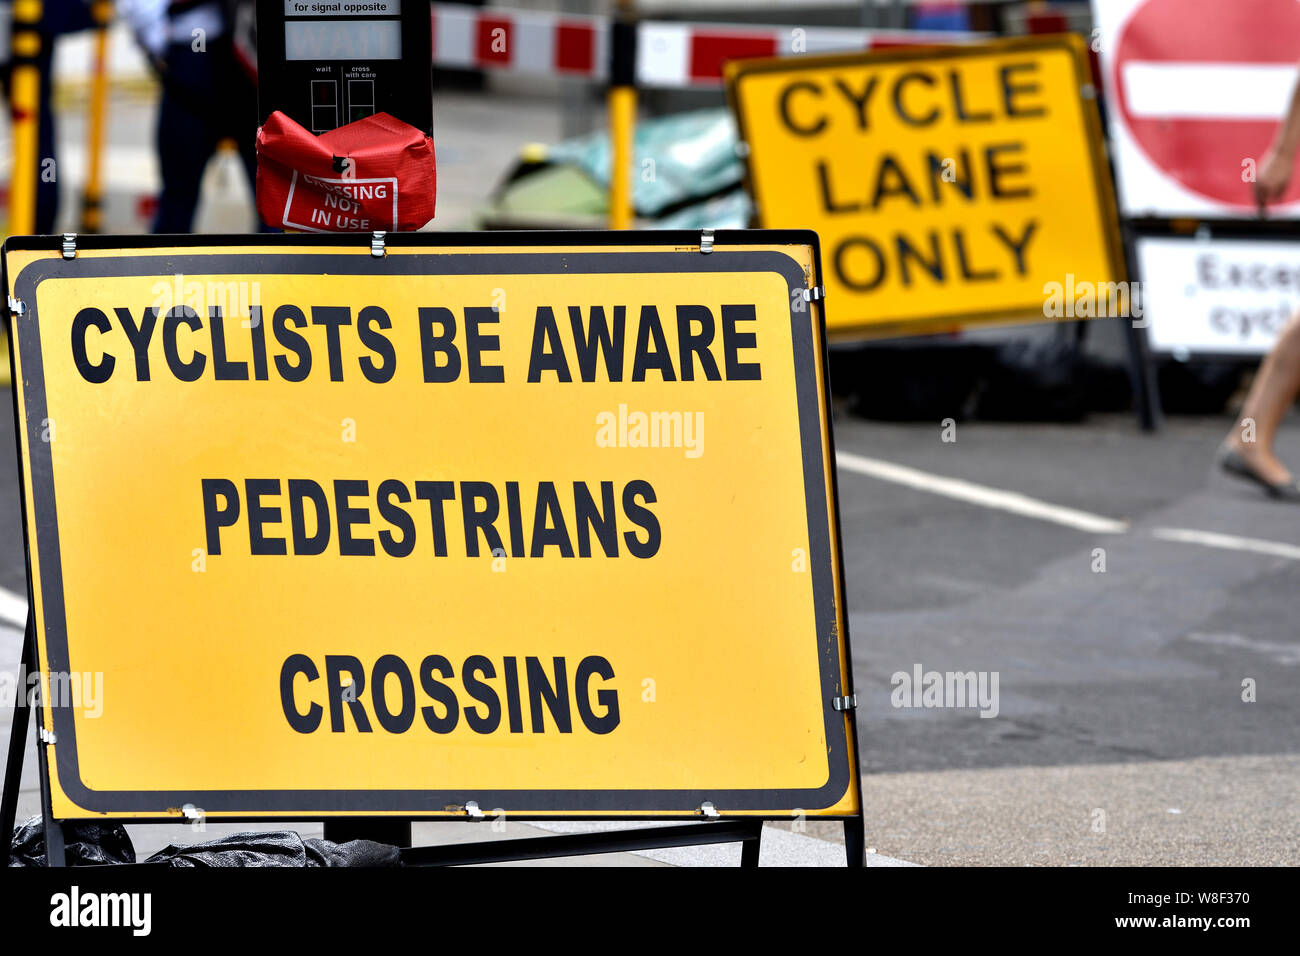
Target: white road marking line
(1230, 542)
(1282, 653)
(1011, 501)
(1025, 506)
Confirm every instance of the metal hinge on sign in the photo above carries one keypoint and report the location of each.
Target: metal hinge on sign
(706, 241)
(17, 306)
(708, 809)
(472, 810)
(47, 736)
(848, 702)
(69, 245)
(815, 294)
(377, 244)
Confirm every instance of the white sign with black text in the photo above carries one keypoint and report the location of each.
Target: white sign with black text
(1222, 296)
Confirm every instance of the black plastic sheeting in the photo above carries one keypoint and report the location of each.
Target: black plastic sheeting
(85, 844)
(276, 848)
(101, 844)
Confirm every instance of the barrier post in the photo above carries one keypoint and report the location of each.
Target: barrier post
(92, 195)
(25, 94)
(1143, 376)
(621, 103)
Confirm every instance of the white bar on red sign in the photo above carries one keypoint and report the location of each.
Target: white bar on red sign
(1228, 91)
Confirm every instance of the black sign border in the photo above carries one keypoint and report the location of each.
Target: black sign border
(813, 417)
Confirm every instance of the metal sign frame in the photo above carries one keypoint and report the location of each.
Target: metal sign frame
(272, 254)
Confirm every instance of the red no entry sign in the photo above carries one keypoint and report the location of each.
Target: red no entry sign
(1200, 86)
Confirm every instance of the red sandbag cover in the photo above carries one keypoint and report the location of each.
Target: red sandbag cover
(377, 174)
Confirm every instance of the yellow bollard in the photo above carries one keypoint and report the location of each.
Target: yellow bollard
(92, 196)
(621, 103)
(25, 96)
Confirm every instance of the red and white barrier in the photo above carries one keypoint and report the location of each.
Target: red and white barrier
(692, 54)
(669, 54)
(519, 41)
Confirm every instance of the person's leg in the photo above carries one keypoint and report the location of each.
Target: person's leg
(1276, 386)
(187, 138)
(245, 133)
(241, 126)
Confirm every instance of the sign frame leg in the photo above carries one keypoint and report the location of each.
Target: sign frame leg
(54, 842)
(749, 849)
(1142, 370)
(855, 839)
(394, 832)
(17, 751)
(54, 836)
(747, 832)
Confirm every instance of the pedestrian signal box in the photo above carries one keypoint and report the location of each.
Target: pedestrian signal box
(327, 63)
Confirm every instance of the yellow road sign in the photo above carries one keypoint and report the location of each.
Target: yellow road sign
(550, 528)
(949, 186)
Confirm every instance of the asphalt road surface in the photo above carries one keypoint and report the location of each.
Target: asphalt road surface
(1122, 736)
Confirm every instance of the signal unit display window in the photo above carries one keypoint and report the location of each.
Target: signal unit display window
(324, 105)
(361, 99)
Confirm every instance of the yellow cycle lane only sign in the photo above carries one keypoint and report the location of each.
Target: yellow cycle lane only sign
(949, 186)
(546, 528)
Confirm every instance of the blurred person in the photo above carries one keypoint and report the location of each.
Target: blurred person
(207, 96)
(1248, 450)
(58, 18)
